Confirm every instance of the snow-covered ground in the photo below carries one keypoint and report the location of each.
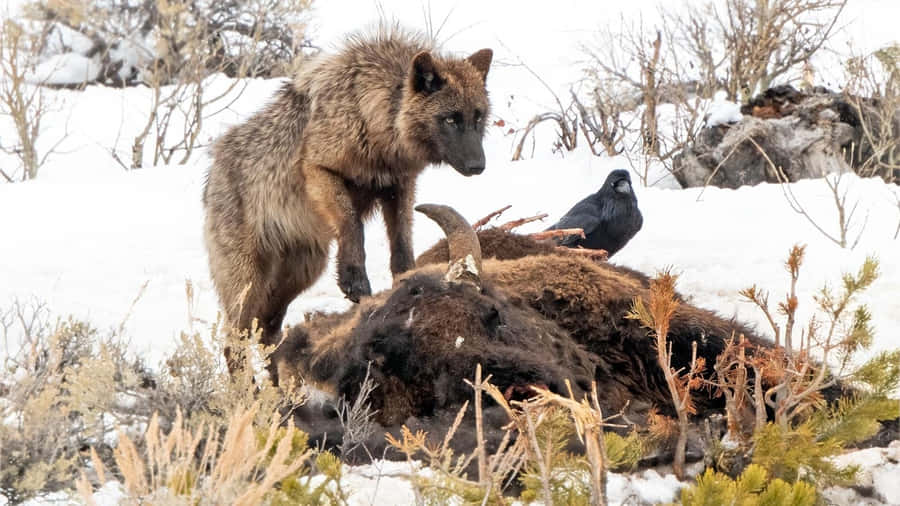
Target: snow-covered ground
(89, 238)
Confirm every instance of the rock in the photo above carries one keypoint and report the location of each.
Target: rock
(784, 135)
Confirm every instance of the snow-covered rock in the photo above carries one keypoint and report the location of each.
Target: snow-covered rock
(63, 39)
(878, 480)
(723, 111)
(68, 69)
(783, 134)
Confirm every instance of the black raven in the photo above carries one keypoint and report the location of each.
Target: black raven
(609, 218)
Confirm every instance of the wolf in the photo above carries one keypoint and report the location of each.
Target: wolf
(350, 133)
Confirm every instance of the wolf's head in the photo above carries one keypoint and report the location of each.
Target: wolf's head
(445, 108)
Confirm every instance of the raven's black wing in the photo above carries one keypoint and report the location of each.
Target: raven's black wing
(585, 215)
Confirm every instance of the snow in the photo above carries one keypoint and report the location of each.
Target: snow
(110, 493)
(63, 39)
(723, 111)
(63, 69)
(647, 487)
(113, 246)
(387, 482)
(382, 482)
(879, 470)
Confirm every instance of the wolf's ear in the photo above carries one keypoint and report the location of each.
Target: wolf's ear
(424, 77)
(481, 60)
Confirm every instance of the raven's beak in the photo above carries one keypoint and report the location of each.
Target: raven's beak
(623, 186)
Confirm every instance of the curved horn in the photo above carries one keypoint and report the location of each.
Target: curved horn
(465, 251)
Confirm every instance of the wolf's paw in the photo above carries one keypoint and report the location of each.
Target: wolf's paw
(353, 281)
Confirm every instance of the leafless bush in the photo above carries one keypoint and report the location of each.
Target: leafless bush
(22, 102)
(66, 387)
(743, 46)
(845, 210)
(873, 91)
(634, 70)
(176, 47)
(632, 56)
(237, 37)
(565, 116)
(693, 51)
(604, 123)
(357, 417)
(63, 386)
(192, 44)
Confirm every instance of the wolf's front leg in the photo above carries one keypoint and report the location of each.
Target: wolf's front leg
(397, 208)
(333, 200)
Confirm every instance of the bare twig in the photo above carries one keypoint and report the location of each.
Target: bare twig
(357, 418)
(844, 221)
(761, 299)
(484, 221)
(560, 232)
(23, 101)
(563, 116)
(479, 430)
(897, 232)
(594, 254)
(522, 221)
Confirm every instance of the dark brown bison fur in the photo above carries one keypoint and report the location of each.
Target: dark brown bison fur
(540, 317)
(591, 301)
(426, 335)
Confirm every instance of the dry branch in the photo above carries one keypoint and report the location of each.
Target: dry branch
(483, 221)
(589, 422)
(518, 223)
(594, 254)
(656, 315)
(479, 429)
(562, 232)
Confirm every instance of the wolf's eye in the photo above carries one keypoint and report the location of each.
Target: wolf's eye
(477, 115)
(454, 119)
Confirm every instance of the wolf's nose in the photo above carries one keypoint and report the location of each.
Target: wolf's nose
(475, 167)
